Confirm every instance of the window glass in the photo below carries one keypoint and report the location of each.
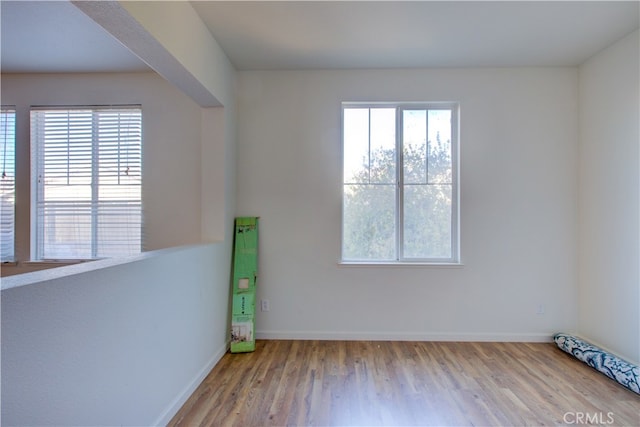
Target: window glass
(400, 187)
(7, 183)
(87, 176)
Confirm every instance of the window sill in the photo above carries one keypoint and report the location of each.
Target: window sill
(59, 262)
(69, 268)
(400, 264)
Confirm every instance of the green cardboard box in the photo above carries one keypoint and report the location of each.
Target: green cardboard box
(245, 274)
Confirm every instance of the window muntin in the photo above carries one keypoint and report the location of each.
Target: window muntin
(7, 183)
(86, 182)
(400, 183)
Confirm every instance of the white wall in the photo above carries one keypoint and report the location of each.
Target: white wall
(173, 148)
(609, 248)
(125, 342)
(518, 201)
(113, 342)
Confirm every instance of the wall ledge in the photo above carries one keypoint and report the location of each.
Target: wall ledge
(35, 277)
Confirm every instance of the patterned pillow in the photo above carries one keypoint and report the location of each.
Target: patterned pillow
(612, 366)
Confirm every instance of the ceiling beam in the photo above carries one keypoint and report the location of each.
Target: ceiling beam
(172, 39)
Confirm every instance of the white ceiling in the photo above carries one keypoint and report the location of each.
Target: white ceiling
(57, 37)
(392, 34)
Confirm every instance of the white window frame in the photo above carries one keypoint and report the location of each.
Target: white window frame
(455, 258)
(37, 230)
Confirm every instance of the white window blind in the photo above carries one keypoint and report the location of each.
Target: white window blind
(7, 183)
(87, 176)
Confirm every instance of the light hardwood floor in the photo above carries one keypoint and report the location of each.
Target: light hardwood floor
(347, 383)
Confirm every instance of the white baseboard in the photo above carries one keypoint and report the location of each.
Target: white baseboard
(404, 336)
(182, 397)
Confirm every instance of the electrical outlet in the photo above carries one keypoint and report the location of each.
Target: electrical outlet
(264, 305)
(540, 309)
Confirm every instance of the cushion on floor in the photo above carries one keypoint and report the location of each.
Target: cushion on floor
(609, 364)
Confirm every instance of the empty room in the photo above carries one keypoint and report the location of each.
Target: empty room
(445, 196)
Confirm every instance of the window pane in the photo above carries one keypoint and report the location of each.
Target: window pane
(120, 151)
(369, 222)
(66, 223)
(440, 146)
(427, 221)
(408, 214)
(119, 216)
(383, 146)
(414, 146)
(356, 145)
(66, 147)
(7, 183)
(88, 182)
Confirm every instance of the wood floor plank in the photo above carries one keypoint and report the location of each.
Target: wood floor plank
(373, 383)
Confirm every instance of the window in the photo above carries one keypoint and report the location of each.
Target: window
(7, 183)
(400, 183)
(86, 182)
